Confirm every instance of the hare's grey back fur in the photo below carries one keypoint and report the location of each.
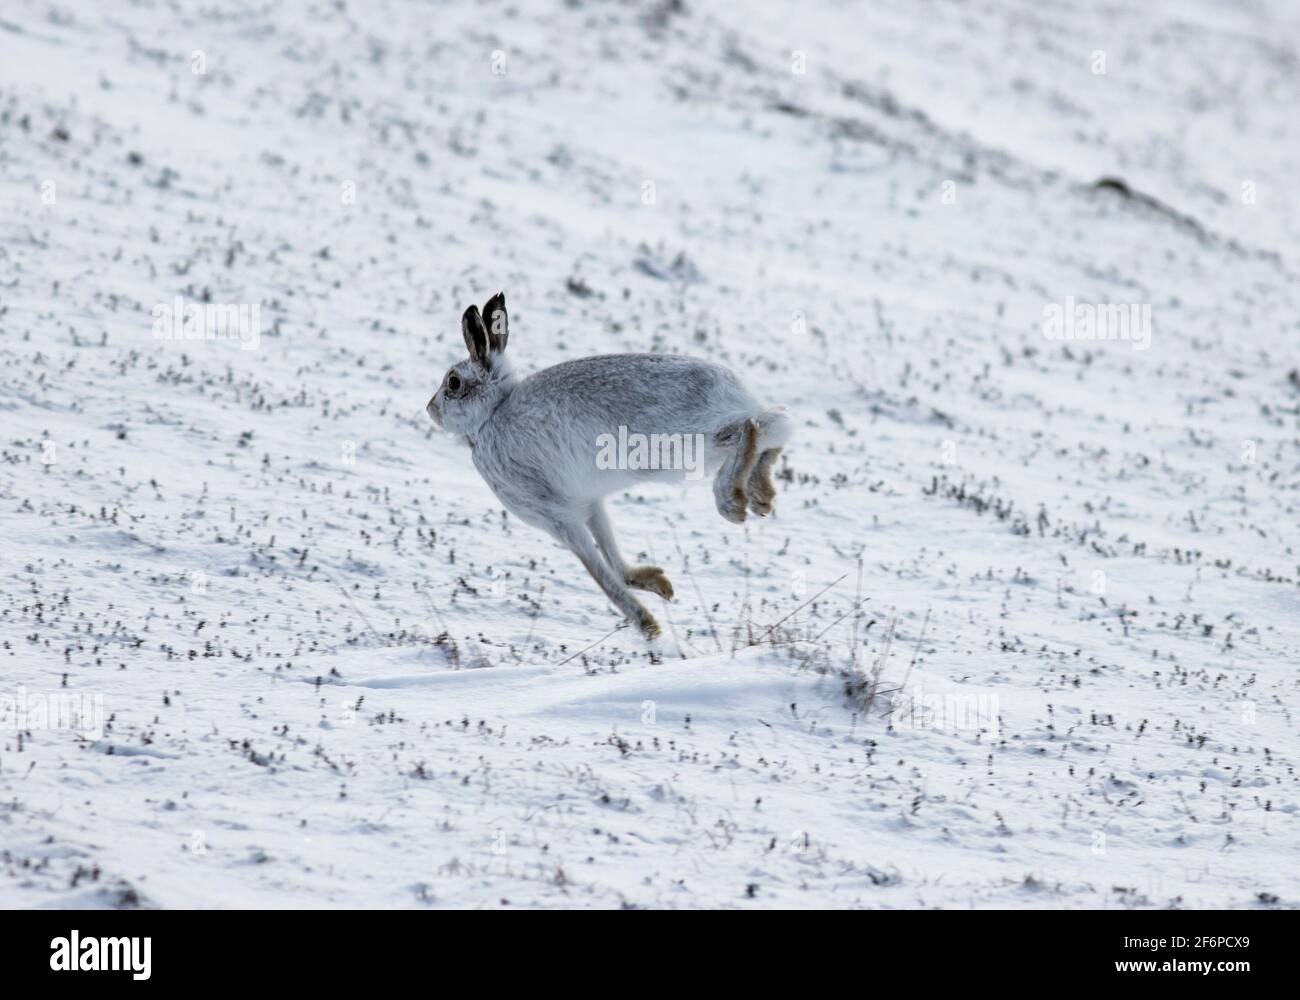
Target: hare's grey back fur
(552, 423)
(536, 441)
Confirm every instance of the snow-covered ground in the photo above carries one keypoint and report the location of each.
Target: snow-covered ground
(332, 672)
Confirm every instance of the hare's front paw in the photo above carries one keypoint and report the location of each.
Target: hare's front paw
(647, 624)
(732, 506)
(650, 578)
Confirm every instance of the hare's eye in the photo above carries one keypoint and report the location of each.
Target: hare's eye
(453, 383)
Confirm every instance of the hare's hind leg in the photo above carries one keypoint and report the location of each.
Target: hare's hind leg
(580, 542)
(775, 429)
(733, 478)
(649, 578)
(761, 490)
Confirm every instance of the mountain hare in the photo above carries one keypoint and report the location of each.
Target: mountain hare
(553, 445)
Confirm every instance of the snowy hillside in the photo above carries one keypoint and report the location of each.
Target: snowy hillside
(1024, 630)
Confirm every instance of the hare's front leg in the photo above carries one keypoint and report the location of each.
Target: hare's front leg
(576, 536)
(649, 578)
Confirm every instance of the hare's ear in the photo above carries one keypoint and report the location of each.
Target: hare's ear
(497, 322)
(476, 338)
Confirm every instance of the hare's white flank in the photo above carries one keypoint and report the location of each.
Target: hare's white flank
(552, 446)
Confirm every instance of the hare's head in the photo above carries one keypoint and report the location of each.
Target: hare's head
(472, 389)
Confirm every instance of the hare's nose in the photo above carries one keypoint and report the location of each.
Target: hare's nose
(431, 408)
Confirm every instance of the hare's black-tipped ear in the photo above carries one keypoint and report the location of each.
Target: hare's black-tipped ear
(476, 337)
(497, 322)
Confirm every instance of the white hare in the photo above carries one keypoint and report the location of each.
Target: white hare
(546, 444)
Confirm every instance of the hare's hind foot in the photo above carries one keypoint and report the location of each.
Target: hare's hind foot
(733, 507)
(650, 578)
(761, 490)
(729, 486)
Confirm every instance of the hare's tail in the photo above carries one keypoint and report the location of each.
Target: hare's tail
(774, 429)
